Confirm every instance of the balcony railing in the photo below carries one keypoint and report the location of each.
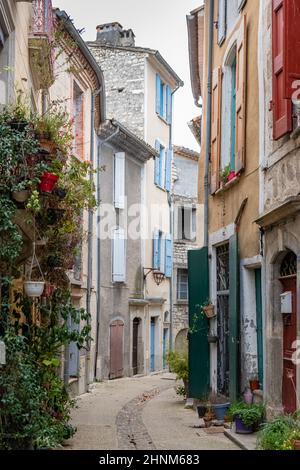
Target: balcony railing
(42, 18)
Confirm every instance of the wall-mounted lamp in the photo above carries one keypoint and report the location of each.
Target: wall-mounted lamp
(158, 276)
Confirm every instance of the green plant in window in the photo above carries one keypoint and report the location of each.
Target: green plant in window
(224, 173)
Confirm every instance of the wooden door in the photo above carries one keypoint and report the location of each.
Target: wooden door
(135, 346)
(289, 398)
(116, 349)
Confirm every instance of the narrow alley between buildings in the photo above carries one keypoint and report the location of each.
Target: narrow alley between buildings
(139, 413)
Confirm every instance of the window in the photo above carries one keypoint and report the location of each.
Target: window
(119, 256)
(182, 284)
(186, 223)
(163, 253)
(163, 166)
(228, 14)
(286, 63)
(163, 100)
(229, 112)
(78, 142)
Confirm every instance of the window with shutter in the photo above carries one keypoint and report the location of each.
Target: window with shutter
(222, 21)
(215, 130)
(286, 63)
(169, 105)
(168, 256)
(241, 75)
(119, 180)
(119, 256)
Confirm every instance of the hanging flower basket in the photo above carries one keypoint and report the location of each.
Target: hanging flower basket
(34, 288)
(209, 311)
(48, 182)
(48, 145)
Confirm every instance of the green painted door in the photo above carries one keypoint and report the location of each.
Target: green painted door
(199, 383)
(259, 323)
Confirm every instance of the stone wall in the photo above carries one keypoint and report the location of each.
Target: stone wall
(124, 76)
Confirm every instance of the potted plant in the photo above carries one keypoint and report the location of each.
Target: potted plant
(208, 309)
(224, 174)
(254, 384)
(282, 433)
(21, 192)
(247, 417)
(178, 363)
(231, 175)
(219, 406)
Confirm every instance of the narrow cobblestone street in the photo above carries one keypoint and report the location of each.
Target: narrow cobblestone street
(139, 413)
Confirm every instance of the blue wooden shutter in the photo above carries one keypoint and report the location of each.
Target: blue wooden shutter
(169, 159)
(222, 21)
(157, 164)
(168, 256)
(169, 105)
(158, 93)
(156, 250)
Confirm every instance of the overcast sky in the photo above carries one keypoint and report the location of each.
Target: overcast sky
(158, 24)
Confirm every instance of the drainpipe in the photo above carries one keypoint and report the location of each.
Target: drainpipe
(100, 144)
(208, 119)
(91, 215)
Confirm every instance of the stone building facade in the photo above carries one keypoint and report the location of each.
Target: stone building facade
(187, 236)
(139, 86)
(279, 219)
(125, 89)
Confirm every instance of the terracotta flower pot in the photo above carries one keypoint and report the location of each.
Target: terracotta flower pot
(48, 181)
(297, 445)
(209, 311)
(48, 145)
(254, 384)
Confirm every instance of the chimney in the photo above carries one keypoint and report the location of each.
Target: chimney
(127, 38)
(113, 34)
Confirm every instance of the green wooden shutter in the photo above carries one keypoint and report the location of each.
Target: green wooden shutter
(234, 295)
(198, 273)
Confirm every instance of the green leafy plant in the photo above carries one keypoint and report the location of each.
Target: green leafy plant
(251, 415)
(33, 203)
(280, 433)
(10, 236)
(224, 173)
(178, 363)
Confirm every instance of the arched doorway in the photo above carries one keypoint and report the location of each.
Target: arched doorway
(288, 279)
(137, 347)
(116, 349)
(181, 341)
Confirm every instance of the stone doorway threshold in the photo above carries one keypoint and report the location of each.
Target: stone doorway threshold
(244, 441)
